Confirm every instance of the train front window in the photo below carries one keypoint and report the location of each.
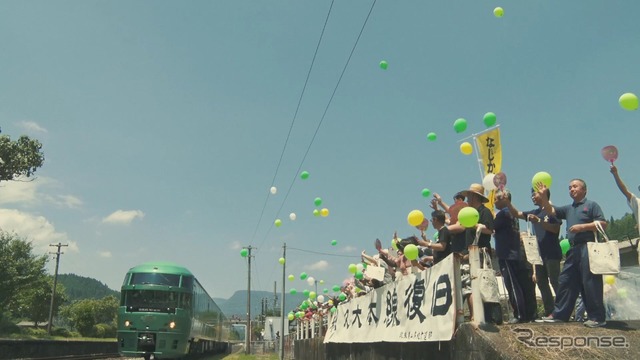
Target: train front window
(151, 300)
(155, 279)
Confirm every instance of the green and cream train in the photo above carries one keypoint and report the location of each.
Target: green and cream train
(165, 312)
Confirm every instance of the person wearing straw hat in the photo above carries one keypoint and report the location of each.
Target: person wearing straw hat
(476, 199)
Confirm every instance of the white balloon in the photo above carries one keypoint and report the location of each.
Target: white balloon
(320, 299)
(292, 216)
(274, 190)
(311, 280)
(360, 267)
(487, 182)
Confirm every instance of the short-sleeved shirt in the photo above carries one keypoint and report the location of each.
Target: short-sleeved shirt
(582, 212)
(507, 236)
(486, 218)
(444, 238)
(548, 242)
(634, 204)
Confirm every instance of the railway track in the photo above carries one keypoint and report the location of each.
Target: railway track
(78, 357)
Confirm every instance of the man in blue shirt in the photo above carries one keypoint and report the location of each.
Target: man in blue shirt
(546, 228)
(514, 269)
(576, 277)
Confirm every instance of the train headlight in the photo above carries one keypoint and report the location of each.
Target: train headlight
(172, 324)
(127, 323)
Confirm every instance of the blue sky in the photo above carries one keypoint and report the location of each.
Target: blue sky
(163, 122)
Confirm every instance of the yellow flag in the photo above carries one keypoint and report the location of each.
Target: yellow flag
(490, 153)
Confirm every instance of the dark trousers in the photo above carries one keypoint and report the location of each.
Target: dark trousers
(548, 272)
(520, 287)
(577, 278)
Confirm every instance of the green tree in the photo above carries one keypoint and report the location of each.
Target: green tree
(19, 158)
(91, 317)
(623, 228)
(34, 302)
(19, 267)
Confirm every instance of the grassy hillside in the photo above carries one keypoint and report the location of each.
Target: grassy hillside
(80, 287)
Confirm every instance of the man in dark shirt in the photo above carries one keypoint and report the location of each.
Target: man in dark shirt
(546, 229)
(441, 248)
(576, 277)
(514, 269)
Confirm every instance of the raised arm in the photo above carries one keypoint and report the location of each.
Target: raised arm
(620, 183)
(544, 200)
(515, 212)
(441, 203)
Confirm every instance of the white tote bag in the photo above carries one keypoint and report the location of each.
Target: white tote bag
(604, 257)
(531, 249)
(488, 282)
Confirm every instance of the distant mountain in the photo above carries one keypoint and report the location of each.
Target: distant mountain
(237, 303)
(80, 287)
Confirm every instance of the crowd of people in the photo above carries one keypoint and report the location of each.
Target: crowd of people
(571, 282)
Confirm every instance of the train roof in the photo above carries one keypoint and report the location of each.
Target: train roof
(161, 266)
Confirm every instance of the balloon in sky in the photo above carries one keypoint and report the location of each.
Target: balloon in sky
(489, 119)
(320, 298)
(460, 125)
(411, 252)
(324, 212)
(311, 280)
(281, 261)
(415, 217)
(317, 201)
(273, 190)
(384, 65)
(291, 277)
(353, 268)
(609, 153)
(487, 182)
(292, 216)
(244, 252)
(468, 217)
(334, 242)
(342, 297)
(629, 101)
(306, 293)
(564, 246)
(321, 282)
(359, 275)
(325, 290)
(312, 295)
(500, 180)
(426, 192)
(277, 223)
(291, 316)
(304, 175)
(610, 279)
(303, 275)
(336, 288)
(541, 177)
(316, 212)
(432, 136)
(293, 291)
(498, 12)
(466, 148)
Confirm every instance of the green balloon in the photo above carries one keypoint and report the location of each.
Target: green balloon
(306, 292)
(291, 277)
(312, 295)
(244, 252)
(336, 288)
(342, 297)
(333, 309)
(303, 276)
(326, 291)
(334, 242)
(411, 252)
(460, 125)
(489, 119)
(468, 217)
(353, 268)
(317, 201)
(384, 65)
(426, 192)
(299, 314)
(359, 275)
(304, 306)
(293, 291)
(564, 245)
(316, 212)
(304, 175)
(432, 136)
(291, 316)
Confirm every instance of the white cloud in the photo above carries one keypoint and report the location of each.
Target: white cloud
(235, 245)
(123, 216)
(105, 254)
(320, 265)
(29, 192)
(31, 126)
(349, 248)
(34, 228)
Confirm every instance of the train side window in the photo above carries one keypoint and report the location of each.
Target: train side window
(186, 301)
(187, 282)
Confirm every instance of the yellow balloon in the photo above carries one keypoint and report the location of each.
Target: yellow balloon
(466, 148)
(498, 12)
(415, 217)
(610, 279)
(324, 212)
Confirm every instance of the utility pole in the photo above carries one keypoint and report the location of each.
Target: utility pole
(55, 283)
(282, 318)
(248, 327)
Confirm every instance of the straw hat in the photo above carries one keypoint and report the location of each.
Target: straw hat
(476, 189)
